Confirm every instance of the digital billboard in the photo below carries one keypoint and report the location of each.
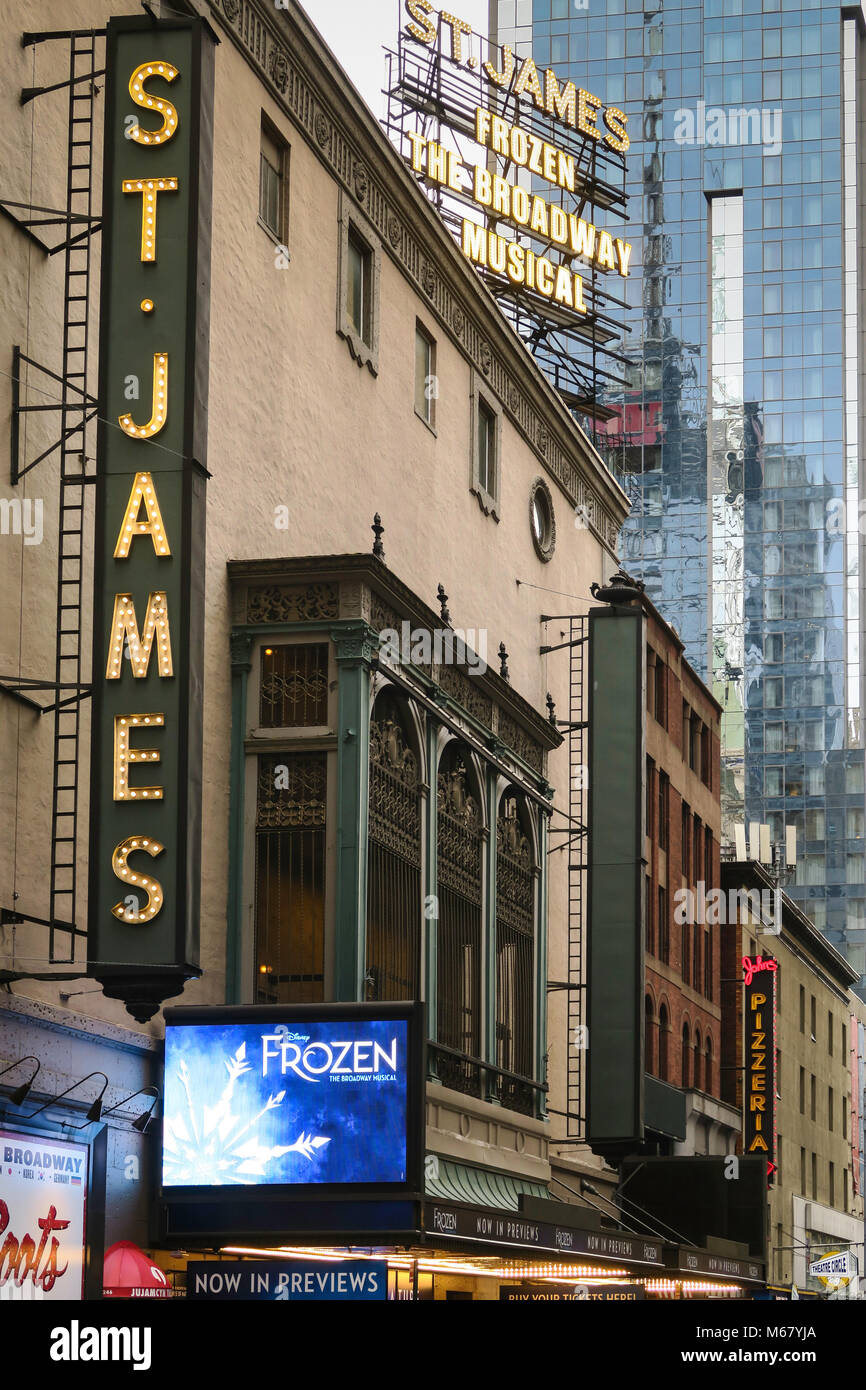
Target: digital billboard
(306, 1097)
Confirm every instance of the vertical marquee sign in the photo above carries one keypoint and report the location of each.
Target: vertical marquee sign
(759, 1094)
(145, 829)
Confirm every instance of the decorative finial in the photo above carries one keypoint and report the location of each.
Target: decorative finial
(503, 662)
(443, 604)
(378, 530)
(551, 709)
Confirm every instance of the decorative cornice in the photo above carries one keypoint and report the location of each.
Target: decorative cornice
(303, 76)
(325, 574)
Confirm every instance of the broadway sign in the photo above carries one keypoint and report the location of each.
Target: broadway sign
(145, 797)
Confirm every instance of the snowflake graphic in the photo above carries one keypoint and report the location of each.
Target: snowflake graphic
(203, 1145)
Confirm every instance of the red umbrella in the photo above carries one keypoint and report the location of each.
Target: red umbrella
(128, 1273)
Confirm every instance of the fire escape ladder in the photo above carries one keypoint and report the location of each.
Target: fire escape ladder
(77, 409)
(73, 485)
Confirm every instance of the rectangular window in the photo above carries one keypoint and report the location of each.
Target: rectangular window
(813, 1018)
(273, 183)
(290, 878)
(830, 1108)
(686, 952)
(696, 957)
(686, 841)
(486, 432)
(659, 674)
(831, 1184)
(486, 448)
(650, 792)
(663, 928)
(359, 286)
(802, 1009)
(425, 377)
(708, 964)
(813, 1098)
(802, 1090)
(293, 693)
(814, 1177)
(830, 1031)
(844, 1117)
(648, 914)
(664, 800)
(803, 1172)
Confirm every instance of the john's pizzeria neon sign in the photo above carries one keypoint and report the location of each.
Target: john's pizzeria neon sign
(759, 988)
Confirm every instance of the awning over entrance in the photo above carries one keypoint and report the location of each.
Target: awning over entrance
(458, 1182)
(129, 1273)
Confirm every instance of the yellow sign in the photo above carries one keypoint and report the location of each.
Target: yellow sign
(572, 105)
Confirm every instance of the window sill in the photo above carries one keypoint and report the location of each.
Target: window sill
(362, 353)
(431, 427)
(488, 504)
(272, 236)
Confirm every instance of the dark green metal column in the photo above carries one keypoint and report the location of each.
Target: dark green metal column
(241, 647)
(356, 644)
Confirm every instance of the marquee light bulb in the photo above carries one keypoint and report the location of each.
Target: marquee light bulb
(138, 91)
(151, 887)
(149, 189)
(159, 408)
(125, 754)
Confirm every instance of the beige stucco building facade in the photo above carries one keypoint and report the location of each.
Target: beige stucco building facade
(315, 426)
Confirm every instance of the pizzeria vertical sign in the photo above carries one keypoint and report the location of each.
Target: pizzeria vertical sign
(759, 988)
(145, 831)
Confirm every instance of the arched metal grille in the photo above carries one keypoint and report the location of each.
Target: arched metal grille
(290, 878)
(459, 929)
(515, 982)
(393, 867)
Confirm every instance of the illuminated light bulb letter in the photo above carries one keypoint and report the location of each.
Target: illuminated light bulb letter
(140, 95)
(425, 30)
(143, 494)
(124, 628)
(150, 190)
(151, 887)
(159, 409)
(124, 754)
(503, 78)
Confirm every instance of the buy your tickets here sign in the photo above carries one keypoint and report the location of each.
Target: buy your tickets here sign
(145, 802)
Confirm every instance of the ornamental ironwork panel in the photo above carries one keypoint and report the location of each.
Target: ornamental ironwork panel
(291, 790)
(294, 686)
(290, 879)
(292, 603)
(515, 737)
(459, 929)
(515, 985)
(394, 866)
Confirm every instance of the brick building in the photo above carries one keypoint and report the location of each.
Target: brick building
(683, 822)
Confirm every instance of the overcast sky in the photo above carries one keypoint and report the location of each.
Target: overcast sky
(358, 30)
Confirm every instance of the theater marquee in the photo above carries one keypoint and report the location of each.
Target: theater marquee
(515, 157)
(150, 511)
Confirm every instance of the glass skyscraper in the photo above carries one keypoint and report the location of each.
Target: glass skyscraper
(738, 434)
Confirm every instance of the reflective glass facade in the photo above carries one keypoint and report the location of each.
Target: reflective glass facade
(738, 436)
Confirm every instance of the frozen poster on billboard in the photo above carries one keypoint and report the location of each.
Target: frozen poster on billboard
(271, 1103)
